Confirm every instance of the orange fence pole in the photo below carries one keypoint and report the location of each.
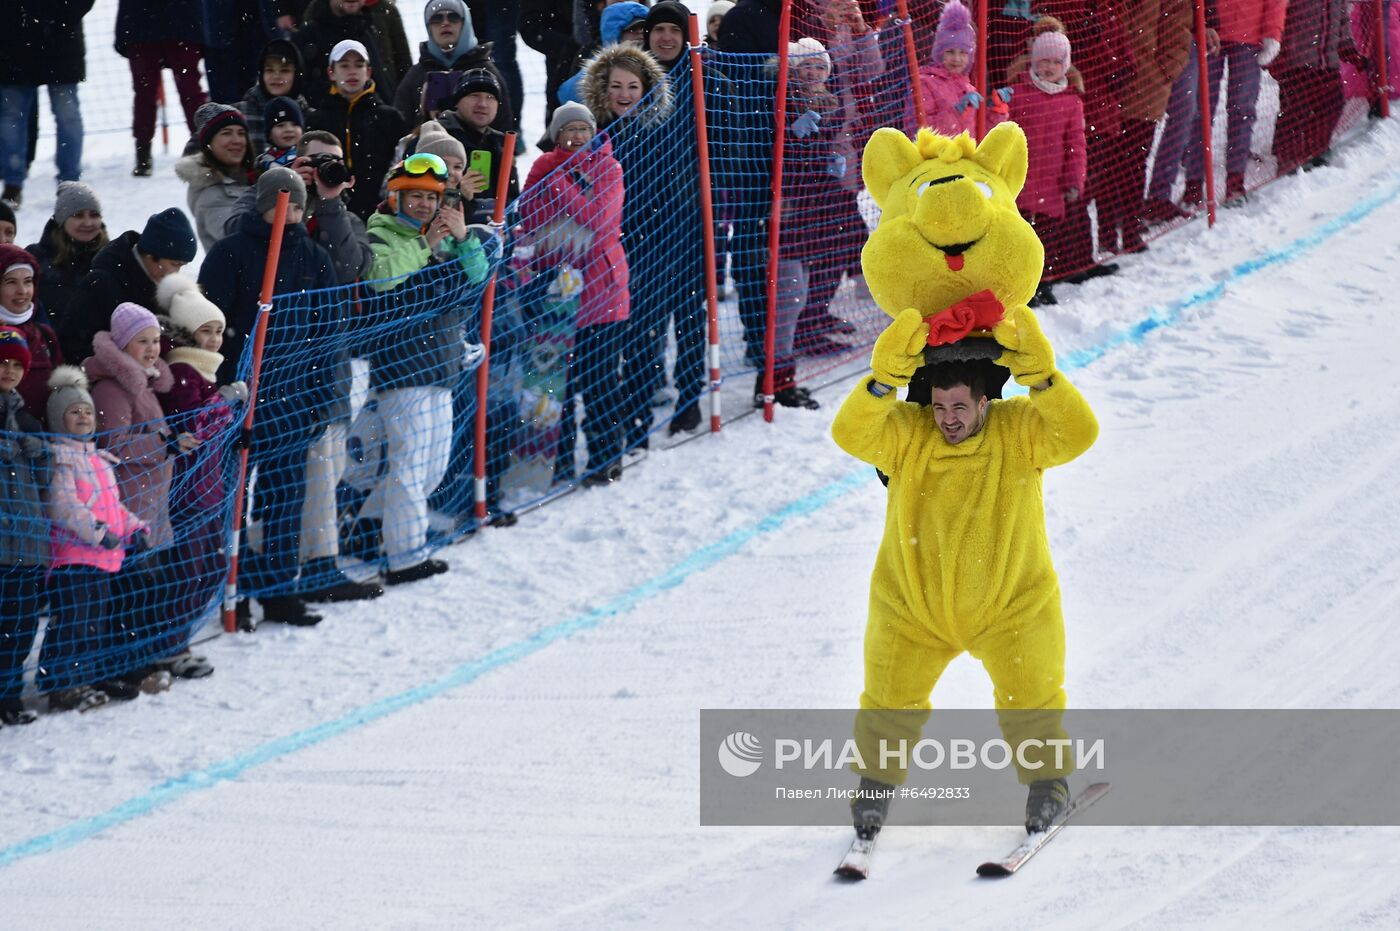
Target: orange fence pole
(274, 252)
(911, 55)
(707, 217)
(770, 332)
(488, 307)
(1203, 96)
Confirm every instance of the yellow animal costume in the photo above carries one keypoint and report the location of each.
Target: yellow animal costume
(965, 562)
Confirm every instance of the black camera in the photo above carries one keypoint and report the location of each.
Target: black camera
(330, 169)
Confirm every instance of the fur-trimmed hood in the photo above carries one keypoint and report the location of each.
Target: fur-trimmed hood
(195, 171)
(652, 110)
(107, 361)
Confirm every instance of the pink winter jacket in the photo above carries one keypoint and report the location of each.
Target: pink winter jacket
(942, 90)
(131, 425)
(83, 494)
(576, 213)
(1054, 128)
(1252, 21)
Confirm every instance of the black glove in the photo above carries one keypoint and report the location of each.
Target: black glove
(108, 540)
(140, 542)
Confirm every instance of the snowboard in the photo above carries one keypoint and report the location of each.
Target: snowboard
(551, 318)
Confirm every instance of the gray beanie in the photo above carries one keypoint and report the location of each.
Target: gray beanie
(275, 180)
(571, 112)
(434, 140)
(74, 196)
(68, 385)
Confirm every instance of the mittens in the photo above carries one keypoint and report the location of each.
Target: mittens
(899, 351)
(1028, 353)
(805, 125)
(234, 392)
(970, 99)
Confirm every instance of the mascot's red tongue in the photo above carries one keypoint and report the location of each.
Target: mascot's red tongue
(981, 311)
(955, 262)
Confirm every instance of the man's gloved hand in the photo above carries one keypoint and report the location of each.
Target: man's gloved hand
(1268, 51)
(235, 392)
(970, 99)
(1028, 353)
(899, 351)
(806, 124)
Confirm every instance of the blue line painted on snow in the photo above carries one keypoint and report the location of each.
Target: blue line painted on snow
(174, 789)
(1170, 314)
(706, 557)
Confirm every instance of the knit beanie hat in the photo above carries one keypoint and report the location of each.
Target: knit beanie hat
(168, 235)
(186, 305)
(73, 197)
(1050, 45)
(14, 346)
(807, 47)
(275, 180)
(282, 110)
(571, 112)
(68, 385)
(435, 140)
(669, 11)
(954, 31)
(212, 117)
(718, 8)
(128, 320)
(619, 17)
(477, 79)
(12, 256)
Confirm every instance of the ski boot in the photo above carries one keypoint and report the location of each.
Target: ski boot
(1048, 800)
(870, 807)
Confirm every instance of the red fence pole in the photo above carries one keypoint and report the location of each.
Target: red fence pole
(1382, 65)
(707, 217)
(980, 72)
(911, 55)
(274, 252)
(1203, 96)
(770, 331)
(488, 307)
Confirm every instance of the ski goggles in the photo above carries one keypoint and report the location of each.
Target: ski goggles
(425, 163)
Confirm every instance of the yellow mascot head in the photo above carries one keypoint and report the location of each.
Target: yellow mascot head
(949, 227)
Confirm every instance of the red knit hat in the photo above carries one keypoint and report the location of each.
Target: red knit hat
(13, 345)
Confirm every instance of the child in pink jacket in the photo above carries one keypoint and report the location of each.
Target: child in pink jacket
(1052, 116)
(90, 532)
(950, 100)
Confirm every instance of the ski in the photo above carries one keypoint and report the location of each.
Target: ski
(1034, 842)
(856, 863)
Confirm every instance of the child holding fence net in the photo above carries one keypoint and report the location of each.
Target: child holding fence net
(950, 101)
(197, 405)
(91, 532)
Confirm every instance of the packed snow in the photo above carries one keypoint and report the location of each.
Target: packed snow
(515, 744)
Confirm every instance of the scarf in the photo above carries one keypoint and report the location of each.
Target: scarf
(1046, 85)
(465, 44)
(19, 319)
(203, 361)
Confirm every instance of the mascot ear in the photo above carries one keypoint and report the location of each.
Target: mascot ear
(1003, 152)
(889, 156)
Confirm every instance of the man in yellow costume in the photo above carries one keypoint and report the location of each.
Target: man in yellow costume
(964, 565)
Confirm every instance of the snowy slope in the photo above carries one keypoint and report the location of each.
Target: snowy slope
(515, 743)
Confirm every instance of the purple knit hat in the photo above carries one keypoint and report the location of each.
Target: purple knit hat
(128, 320)
(954, 31)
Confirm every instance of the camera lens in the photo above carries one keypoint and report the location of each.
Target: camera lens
(332, 172)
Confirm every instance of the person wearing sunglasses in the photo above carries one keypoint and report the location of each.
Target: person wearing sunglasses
(451, 46)
(417, 350)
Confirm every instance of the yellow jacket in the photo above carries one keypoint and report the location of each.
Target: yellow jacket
(965, 547)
